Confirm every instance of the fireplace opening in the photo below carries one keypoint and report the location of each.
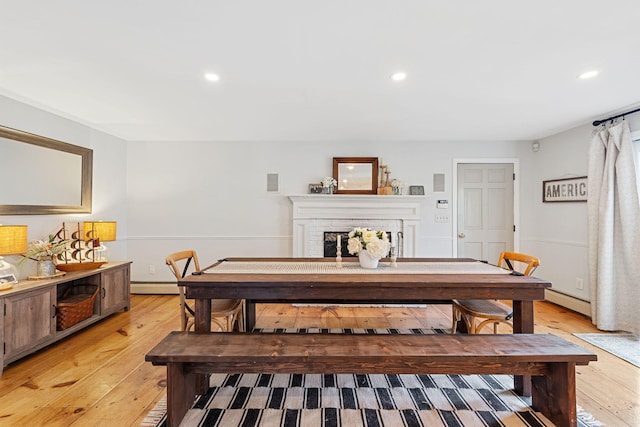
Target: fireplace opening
(330, 244)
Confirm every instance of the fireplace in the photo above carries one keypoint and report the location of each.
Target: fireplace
(316, 214)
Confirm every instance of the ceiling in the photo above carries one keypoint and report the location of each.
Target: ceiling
(294, 70)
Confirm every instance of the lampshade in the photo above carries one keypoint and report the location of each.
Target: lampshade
(105, 231)
(13, 239)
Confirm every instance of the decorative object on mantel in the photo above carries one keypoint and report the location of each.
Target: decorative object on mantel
(315, 188)
(356, 175)
(328, 183)
(370, 245)
(416, 190)
(565, 190)
(81, 251)
(43, 253)
(397, 186)
(13, 241)
(384, 187)
(339, 251)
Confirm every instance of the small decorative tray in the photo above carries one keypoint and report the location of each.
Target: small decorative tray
(58, 274)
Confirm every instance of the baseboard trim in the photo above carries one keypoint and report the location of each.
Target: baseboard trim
(154, 288)
(572, 303)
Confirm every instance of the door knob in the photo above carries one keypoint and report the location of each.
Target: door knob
(461, 235)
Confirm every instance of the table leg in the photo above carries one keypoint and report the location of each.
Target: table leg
(522, 324)
(250, 315)
(203, 325)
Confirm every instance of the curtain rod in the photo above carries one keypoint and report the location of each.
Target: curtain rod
(599, 122)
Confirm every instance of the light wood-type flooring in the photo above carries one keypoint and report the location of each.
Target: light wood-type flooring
(98, 377)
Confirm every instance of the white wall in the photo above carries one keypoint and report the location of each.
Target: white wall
(211, 196)
(557, 232)
(109, 175)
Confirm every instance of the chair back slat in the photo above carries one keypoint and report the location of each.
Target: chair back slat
(529, 262)
(187, 256)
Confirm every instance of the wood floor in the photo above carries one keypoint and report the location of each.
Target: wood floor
(98, 376)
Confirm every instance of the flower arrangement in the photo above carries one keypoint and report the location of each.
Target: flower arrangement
(39, 248)
(396, 183)
(375, 242)
(328, 181)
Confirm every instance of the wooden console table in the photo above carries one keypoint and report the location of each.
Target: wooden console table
(29, 320)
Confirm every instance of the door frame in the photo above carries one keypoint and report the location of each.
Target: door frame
(516, 198)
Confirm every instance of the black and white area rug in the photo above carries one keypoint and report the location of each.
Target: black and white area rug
(345, 400)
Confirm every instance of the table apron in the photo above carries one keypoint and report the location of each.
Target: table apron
(277, 292)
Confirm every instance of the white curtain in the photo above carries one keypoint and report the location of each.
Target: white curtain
(614, 230)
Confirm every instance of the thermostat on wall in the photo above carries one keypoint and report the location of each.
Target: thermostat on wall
(443, 204)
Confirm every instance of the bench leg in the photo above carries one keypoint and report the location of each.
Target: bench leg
(555, 394)
(181, 391)
(522, 324)
(202, 324)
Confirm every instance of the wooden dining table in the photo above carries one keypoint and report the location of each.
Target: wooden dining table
(324, 280)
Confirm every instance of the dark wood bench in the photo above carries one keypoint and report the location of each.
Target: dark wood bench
(550, 361)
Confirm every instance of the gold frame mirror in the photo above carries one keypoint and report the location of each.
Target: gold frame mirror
(356, 175)
(64, 170)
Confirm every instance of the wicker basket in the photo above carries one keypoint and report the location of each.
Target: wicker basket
(75, 306)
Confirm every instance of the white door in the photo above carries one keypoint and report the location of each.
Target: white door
(485, 210)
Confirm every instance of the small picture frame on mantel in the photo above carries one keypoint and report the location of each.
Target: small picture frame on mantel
(315, 188)
(416, 190)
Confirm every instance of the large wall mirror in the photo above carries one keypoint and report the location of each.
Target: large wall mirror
(39, 175)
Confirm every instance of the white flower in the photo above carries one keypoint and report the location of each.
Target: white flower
(378, 248)
(354, 246)
(328, 181)
(369, 235)
(397, 183)
(375, 242)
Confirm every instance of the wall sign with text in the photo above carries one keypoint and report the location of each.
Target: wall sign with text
(565, 190)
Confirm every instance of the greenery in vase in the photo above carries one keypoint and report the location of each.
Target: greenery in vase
(38, 249)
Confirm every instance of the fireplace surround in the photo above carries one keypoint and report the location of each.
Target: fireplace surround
(315, 214)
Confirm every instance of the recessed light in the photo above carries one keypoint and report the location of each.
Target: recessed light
(399, 76)
(212, 77)
(588, 74)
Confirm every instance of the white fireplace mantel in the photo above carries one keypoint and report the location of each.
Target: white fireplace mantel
(315, 213)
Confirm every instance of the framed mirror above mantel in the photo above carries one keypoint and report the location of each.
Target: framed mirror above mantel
(40, 175)
(356, 175)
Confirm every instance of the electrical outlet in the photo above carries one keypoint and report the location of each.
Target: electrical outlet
(442, 218)
(579, 283)
(152, 269)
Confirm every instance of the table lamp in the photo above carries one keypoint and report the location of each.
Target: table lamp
(98, 232)
(13, 241)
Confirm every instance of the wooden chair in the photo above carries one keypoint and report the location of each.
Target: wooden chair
(468, 310)
(224, 312)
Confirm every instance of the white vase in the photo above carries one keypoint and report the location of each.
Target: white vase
(367, 261)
